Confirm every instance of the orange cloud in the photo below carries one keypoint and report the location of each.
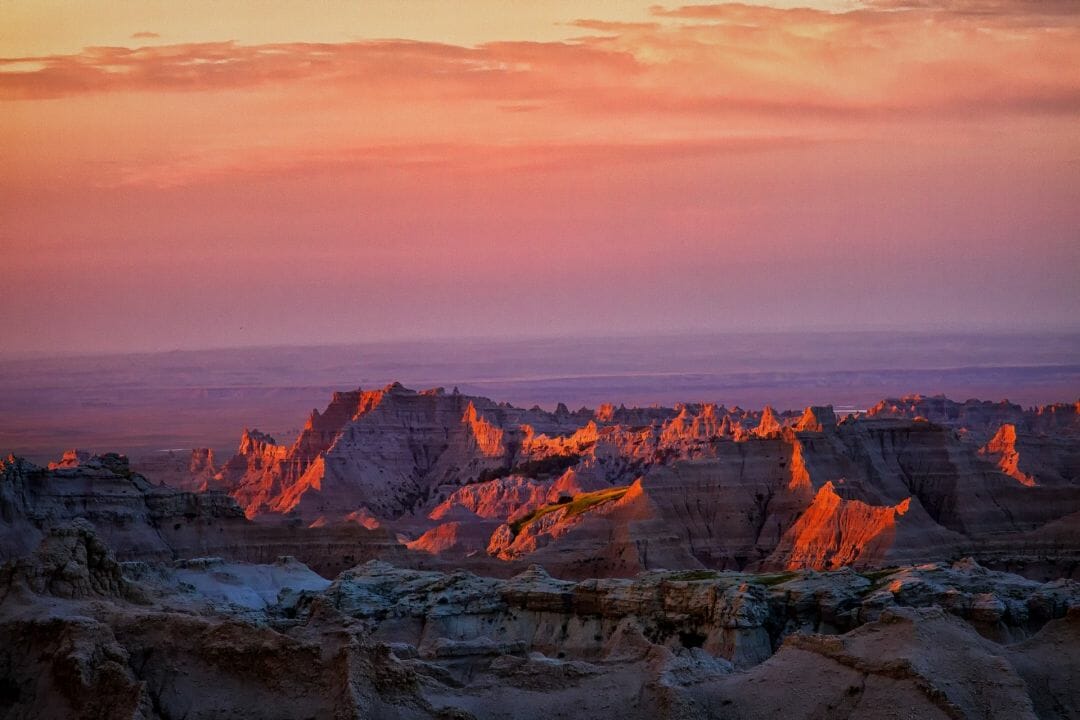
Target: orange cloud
(900, 157)
(715, 76)
(892, 56)
(1040, 12)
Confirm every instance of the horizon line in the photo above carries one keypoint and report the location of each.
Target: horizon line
(8, 354)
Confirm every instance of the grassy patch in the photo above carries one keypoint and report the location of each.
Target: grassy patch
(877, 576)
(691, 575)
(577, 505)
(775, 578)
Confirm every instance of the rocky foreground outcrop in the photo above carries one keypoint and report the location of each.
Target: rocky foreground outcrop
(89, 637)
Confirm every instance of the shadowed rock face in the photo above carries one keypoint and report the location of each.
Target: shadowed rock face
(71, 562)
(88, 637)
(95, 639)
(1032, 459)
(981, 419)
(194, 470)
(132, 515)
(142, 521)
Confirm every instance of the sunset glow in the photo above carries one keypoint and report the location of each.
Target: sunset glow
(581, 167)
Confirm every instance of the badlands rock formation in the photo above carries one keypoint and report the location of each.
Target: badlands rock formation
(980, 418)
(194, 470)
(143, 521)
(133, 515)
(616, 490)
(435, 555)
(384, 450)
(435, 480)
(87, 636)
(1033, 458)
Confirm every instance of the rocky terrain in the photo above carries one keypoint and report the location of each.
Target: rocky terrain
(143, 521)
(87, 636)
(616, 490)
(438, 479)
(439, 555)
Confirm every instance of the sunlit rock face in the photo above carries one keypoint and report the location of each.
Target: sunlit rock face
(833, 532)
(706, 486)
(448, 478)
(386, 450)
(70, 459)
(395, 451)
(769, 424)
(1034, 458)
(866, 494)
(817, 419)
(1003, 451)
(496, 499)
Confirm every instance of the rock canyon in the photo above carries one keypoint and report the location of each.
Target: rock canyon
(434, 554)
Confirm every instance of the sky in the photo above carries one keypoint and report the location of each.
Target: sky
(238, 172)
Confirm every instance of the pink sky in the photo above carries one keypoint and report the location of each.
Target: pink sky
(273, 177)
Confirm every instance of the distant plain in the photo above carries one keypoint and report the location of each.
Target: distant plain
(143, 403)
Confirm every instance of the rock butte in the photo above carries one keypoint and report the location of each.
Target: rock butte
(437, 479)
(435, 555)
(712, 487)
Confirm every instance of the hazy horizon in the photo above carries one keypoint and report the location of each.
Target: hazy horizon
(144, 402)
(25, 353)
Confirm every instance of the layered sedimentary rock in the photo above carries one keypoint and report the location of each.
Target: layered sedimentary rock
(384, 450)
(133, 516)
(981, 419)
(88, 637)
(1033, 458)
(867, 493)
(194, 470)
(142, 521)
(436, 479)
(458, 476)
(626, 563)
(395, 451)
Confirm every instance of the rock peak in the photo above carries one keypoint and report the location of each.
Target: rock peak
(769, 424)
(817, 418)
